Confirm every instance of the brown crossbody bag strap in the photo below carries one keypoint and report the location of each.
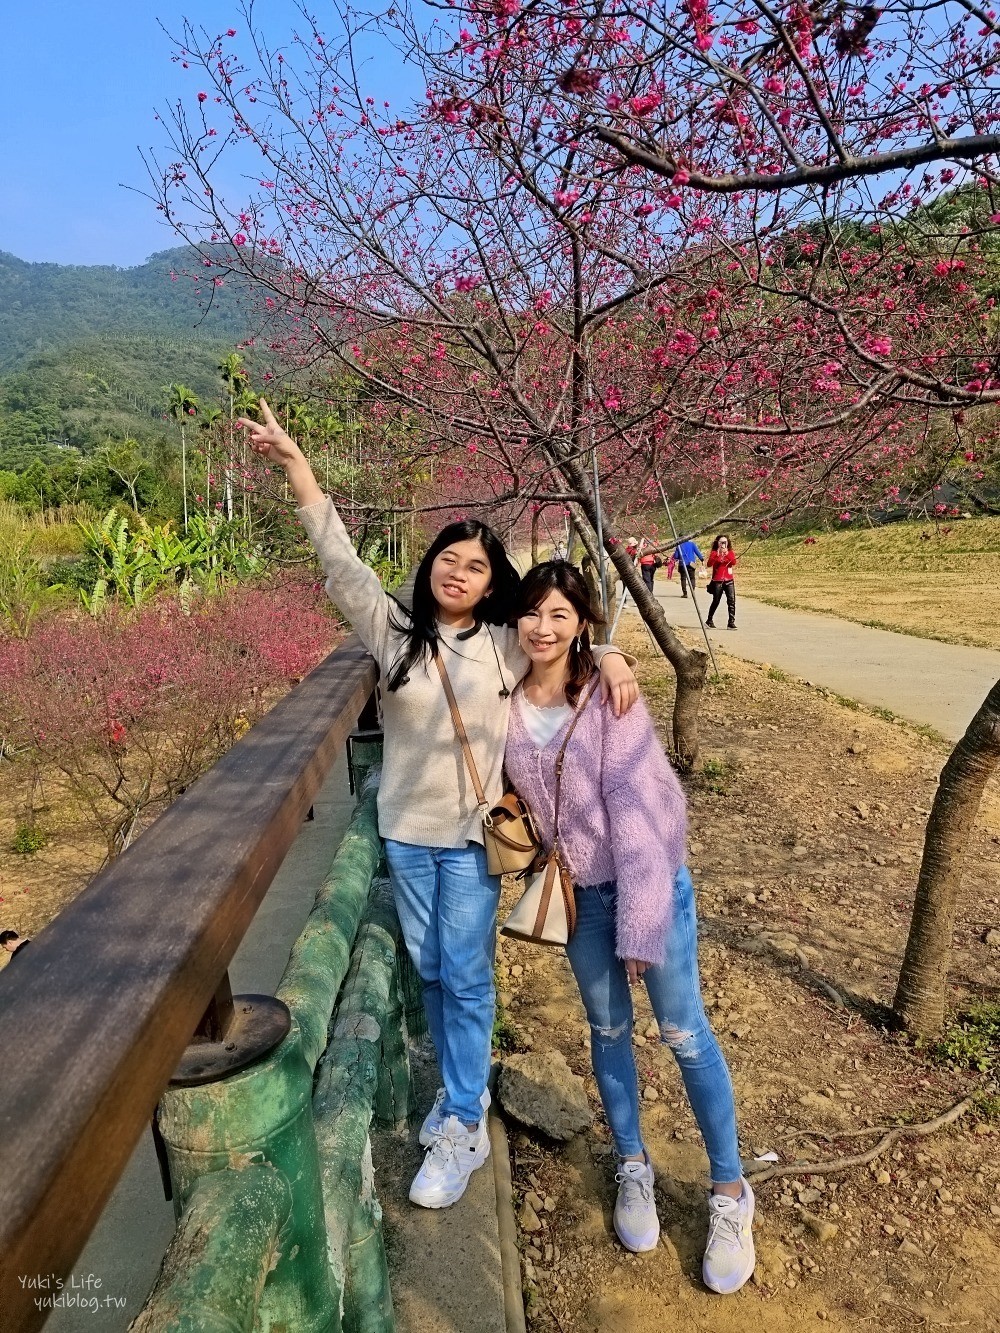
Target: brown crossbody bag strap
(456, 717)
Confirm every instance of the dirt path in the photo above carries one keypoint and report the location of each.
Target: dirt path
(805, 838)
(940, 685)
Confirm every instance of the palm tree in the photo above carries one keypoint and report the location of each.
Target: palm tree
(235, 377)
(182, 404)
(209, 420)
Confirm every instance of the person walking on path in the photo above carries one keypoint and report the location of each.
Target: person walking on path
(428, 814)
(686, 554)
(621, 834)
(721, 560)
(649, 563)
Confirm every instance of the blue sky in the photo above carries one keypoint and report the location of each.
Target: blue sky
(81, 86)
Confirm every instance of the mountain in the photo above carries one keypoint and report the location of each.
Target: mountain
(47, 306)
(85, 351)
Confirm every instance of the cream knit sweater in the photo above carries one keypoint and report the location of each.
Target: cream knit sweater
(425, 795)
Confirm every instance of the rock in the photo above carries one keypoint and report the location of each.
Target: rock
(935, 1182)
(533, 1201)
(650, 1094)
(800, 852)
(883, 1178)
(992, 938)
(528, 1219)
(517, 970)
(860, 809)
(543, 1092)
(550, 1204)
(809, 1196)
(944, 1195)
(857, 747)
(653, 1032)
(908, 1247)
(823, 1230)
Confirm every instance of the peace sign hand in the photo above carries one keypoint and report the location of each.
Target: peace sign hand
(271, 440)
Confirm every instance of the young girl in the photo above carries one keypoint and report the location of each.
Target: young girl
(428, 814)
(721, 560)
(622, 835)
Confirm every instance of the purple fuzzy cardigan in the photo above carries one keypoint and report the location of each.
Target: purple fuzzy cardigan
(622, 814)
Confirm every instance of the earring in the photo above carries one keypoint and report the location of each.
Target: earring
(576, 643)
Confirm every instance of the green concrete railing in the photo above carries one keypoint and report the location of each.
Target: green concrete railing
(279, 1228)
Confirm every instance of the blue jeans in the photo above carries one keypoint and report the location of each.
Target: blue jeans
(675, 994)
(447, 905)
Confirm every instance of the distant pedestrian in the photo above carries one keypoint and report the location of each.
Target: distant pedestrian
(649, 563)
(12, 942)
(721, 561)
(687, 556)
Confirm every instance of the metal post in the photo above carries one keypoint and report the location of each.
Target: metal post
(601, 553)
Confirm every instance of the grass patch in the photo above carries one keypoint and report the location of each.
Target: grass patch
(28, 839)
(776, 673)
(973, 1040)
(505, 1037)
(717, 776)
(906, 578)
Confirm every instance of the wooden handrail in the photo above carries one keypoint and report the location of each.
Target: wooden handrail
(95, 1015)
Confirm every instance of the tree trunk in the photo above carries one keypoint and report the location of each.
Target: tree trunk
(536, 518)
(920, 994)
(690, 664)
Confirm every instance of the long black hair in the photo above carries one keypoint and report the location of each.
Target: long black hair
(419, 623)
(560, 576)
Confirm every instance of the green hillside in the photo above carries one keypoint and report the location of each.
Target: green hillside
(85, 351)
(46, 306)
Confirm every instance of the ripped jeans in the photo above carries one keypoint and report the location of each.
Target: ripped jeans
(675, 994)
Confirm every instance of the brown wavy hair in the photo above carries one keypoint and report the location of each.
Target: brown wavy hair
(560, 576)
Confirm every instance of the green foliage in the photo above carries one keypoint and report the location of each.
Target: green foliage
(973, 1040)
(717, 776)
(28, 839)
(987, 1107)
(135, 559)
(504, 1032)
(776, 673)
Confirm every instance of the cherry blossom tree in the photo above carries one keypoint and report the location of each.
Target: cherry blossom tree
(556, 304)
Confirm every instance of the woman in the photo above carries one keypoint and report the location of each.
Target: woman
(428, 814)
(721, 560)
(621, 835)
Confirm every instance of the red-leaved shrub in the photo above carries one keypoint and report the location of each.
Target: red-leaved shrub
(130, 709)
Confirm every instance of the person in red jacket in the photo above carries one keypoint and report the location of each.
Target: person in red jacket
(721, 560)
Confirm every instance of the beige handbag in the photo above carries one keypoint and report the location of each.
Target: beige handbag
(546, 911)
(509, 834)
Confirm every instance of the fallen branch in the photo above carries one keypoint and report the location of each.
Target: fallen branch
(862, 1159)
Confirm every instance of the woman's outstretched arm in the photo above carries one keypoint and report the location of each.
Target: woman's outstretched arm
(350, 584)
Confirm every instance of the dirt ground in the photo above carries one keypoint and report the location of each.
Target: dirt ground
(917, 578)
(35, 887)
(805, 841)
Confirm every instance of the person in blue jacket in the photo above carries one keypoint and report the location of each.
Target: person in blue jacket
(687, 554)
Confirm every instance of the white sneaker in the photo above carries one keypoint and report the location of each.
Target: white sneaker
(636, 1222)
(729, 1255)
(434, 1118)
(450, 1160)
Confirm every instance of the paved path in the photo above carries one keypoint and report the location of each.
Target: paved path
(938, 684)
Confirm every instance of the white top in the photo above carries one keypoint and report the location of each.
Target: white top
(542, 724)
